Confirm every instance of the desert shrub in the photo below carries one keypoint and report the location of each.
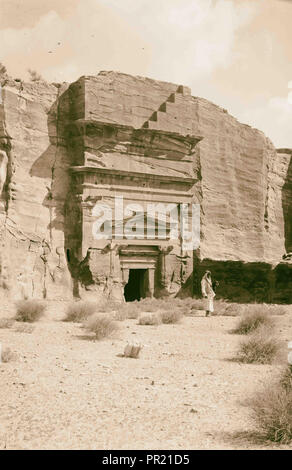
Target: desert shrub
(227, 309)
(260, 347)
(128, 310)
(220, 307)
(132, 350)
(233, 310)
(197, 304)
(29, 310)
(189, 301)
(101, 325)
(149, 305)
(272, 410)
(6, 322)
(132, 311)
(153, 305)
(268, 309)
(80, 310)
(149, 318)
(170, 316)
(24, 328)
(273, 309)
(252, 318)
(286, 379)
(186, 302)
(7, 355)
(164, 303)
(120, 315)
(110, 306)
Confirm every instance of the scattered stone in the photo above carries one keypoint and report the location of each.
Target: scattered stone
(132, 350)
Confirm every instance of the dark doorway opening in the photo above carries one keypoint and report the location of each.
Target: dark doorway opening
(135, 288)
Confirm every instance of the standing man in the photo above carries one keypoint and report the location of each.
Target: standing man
(208, 292)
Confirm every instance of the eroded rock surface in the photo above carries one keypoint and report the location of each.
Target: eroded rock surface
(33, 194)
(62, 147)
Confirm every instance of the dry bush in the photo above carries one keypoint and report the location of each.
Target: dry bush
(24, 328)
(269, 309)
(6, 322)
(165, 303)
(128, 310)
(252, 318)
(120, 315)
(29, 310)
(272, 410)
(221, 307)
(179, 302)
(286, 379)
(153, 304)
(132, 350)
(189, 301)
(110, 306)
(170, 316)
(79, 311)
(227, 309)
(101, 325)
(150, 305)
(131, 310)
(274, 309)
(7, 355)
(149, 318)
(260, 348)
(233, 309)
(197, 304)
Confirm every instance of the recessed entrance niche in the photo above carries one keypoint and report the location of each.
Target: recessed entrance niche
(136, 287)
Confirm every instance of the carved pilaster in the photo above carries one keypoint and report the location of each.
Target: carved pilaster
(125, 276)
(151, 282)
(164, 251)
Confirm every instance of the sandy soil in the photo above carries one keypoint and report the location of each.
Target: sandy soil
(65, 391)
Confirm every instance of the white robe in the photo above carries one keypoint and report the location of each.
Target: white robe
(207, 291)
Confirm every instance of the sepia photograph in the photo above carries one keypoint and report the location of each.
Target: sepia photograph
(145, 228)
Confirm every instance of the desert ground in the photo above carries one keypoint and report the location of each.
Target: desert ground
(65, 391)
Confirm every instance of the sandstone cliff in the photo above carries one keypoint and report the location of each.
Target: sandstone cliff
(244, 185)
(241, 217)
(284, 180)
(32, 232)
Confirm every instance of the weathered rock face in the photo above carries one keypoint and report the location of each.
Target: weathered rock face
(234, 166)
(35, 181)
(149, 141)
(241, 219)
(284, 173)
